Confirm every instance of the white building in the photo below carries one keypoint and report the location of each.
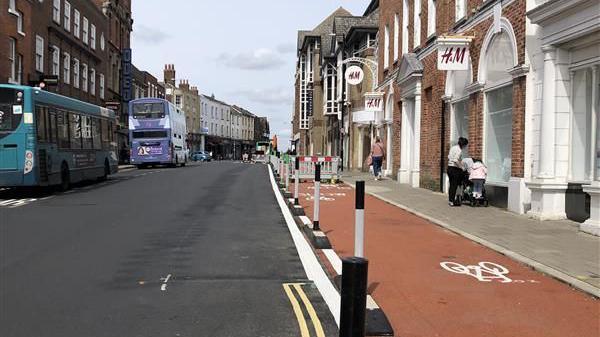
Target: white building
(563, 93)
(216, 116)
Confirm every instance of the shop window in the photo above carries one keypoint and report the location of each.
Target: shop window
(581, 128)
(498, 59)
(460, 121)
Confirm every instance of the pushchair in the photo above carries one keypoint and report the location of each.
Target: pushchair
(467, 194)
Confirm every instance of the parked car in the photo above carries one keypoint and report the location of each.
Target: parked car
(201, 156)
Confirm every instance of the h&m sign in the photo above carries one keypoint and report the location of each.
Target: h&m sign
(374, 101)
(354, 75)
(453, 52)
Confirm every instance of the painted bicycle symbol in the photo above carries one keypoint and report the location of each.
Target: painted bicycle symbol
(484, 271)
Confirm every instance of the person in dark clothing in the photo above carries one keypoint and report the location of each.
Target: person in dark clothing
(455, 169)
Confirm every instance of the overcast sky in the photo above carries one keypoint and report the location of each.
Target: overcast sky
(243, 51)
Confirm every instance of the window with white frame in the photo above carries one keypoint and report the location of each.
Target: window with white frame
(75, 73)
(499, 57)
(12, 59)
(12, 6)
(460, 9)
(417, 24)
(460, 105)
(39, 53)
(386, 47)
(93, 36)
(303, 93)
(56, 11)
(102, 86)
(19, 68)
(397, 36)
(67, 16)
(431, 17)
(405, 26)
(583, 155)
(330, 88)
(84, 77)
(55, 61)
(102, 42)
(76, 23)
(67, 68)
(20, 19)
(93, 81)
(85, 31)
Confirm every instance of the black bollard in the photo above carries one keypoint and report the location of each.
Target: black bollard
(354, 297)
(317, 197)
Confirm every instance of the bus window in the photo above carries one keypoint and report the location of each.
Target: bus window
(149, 134)
(52, 126)
(8, 101)
(96, 133)
(62, 125)
(40, 115)
(148, 110)
(86, 132)
(105, 134)
(75, 121)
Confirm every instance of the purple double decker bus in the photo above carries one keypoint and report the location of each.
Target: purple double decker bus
(157, 132)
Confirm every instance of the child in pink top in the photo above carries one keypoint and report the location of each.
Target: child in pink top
(478, 175)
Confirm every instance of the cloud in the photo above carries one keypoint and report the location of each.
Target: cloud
(149, 35)
(286, 48)
(270, 96)
(259, 59)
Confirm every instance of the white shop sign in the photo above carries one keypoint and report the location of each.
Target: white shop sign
(374, 101)
(453, 53)
(354, 75)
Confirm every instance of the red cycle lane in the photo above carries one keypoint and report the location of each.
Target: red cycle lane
(433, 282)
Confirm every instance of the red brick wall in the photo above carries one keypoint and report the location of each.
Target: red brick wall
(433, 84)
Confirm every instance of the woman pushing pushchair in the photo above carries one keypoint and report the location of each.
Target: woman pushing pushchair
(468, 173)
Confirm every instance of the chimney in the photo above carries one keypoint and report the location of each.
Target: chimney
(169, 74)
(184, 85)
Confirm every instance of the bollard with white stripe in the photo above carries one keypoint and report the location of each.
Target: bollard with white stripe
(287, 176)
(359, 220)
(296, 187)
(317, 196)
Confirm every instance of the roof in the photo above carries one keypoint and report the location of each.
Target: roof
(212, 98)
(323, 31)
(242, 111)
(373, 5)
(409, 66)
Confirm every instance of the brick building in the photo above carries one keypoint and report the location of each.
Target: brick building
(309, 125)
(118, 79)
(432, 108)
(146, 85)
(57, 40)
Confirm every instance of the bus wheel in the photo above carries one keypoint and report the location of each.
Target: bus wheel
(65, 177)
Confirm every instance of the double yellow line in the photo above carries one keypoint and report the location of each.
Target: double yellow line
(304, 332)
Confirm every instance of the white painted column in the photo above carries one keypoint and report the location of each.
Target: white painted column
(404, 173)
(548, 116)
(547, 194)
(416, 164)
(359, 159)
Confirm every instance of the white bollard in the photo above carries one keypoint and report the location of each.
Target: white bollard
(317, 197)
(359, 220)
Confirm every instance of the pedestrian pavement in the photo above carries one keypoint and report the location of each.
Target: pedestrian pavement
(430, 281)
(556, 248)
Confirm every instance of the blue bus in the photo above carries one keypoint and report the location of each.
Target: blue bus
(157, 131)
(47, 139)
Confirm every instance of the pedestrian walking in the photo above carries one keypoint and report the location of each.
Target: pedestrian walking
(377, 156)
(455, 169)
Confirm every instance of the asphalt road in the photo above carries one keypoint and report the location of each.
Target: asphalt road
(195, 251)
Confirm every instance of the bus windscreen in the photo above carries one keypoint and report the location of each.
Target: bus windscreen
(148, 110)
(149, 134)
(11, 109)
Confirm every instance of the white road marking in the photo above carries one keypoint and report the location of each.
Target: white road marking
(14, 203)
(163, 287)
(334, 260)
(7, 202)
(309, 260)
(483, 272)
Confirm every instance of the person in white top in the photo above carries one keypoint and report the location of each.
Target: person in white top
(455, 169)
